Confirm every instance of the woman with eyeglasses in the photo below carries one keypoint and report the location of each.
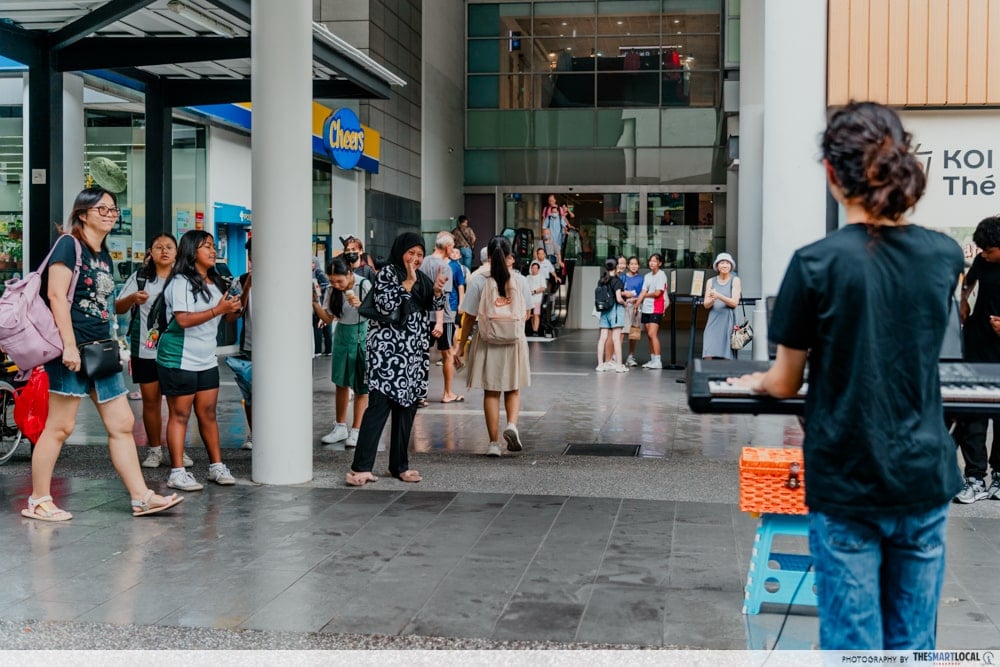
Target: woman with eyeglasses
(196, 296)
(138, 295)
(82, 317)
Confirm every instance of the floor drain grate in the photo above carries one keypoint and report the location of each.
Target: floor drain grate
(600, 449)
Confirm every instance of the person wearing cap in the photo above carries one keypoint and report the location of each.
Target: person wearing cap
(722, 295)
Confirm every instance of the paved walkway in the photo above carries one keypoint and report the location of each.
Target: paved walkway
(534, 549)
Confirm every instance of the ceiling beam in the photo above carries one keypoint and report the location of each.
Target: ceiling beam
(20, 44)
(101, 17)
(191, 92)
(374, 86)
(112, 52)
(238, 8)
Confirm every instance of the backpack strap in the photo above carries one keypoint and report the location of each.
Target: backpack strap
(76, 269)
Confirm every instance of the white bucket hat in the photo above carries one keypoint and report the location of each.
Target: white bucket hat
(724, 256)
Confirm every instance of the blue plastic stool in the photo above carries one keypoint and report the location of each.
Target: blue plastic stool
(769, 569)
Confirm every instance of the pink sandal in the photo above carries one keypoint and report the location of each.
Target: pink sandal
(37, 510)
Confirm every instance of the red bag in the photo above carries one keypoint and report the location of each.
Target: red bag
(31, 407)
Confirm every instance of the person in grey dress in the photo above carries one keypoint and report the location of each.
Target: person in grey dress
(722, 295)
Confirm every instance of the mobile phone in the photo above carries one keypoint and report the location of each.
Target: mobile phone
(140, 283)
(316, 290)
(234, 288)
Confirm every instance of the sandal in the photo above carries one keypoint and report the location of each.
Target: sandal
(37, 510)
(410, 476)
(422, 403)
(143, 507)
(359, 478)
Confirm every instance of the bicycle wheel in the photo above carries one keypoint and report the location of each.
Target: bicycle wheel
(10, 434)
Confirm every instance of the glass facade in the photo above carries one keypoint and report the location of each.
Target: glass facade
(11, 192)
(114, 158)
(581, 95)
(679, 226)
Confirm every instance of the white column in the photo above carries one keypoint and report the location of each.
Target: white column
(74, 141)
(281, 179)
(793, 187)
(751, 133)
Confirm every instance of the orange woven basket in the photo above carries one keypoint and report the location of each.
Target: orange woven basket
(772, 481)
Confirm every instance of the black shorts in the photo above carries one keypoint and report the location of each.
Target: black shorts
(177, 382)
(144, 371)
(651, 318)
(444, 342)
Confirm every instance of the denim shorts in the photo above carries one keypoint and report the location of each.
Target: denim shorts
(614, 318)
(65, 382)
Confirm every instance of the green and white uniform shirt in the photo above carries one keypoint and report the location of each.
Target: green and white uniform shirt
(193, 348)
(138, 331)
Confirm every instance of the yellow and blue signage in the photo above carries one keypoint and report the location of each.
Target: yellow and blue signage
(344, 138)
(370, 140)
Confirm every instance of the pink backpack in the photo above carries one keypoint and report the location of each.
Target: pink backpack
(28, 332)
(501, 319)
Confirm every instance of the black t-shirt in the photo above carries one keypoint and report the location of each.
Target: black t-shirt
(89, 310)
(981, 342)
(872, 309)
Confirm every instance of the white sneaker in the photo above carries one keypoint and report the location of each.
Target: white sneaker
(493, 449)
(601, 368)
(352, 439)
(631, 361)
(184, 481)
(248, 443)
(187, 461)
(513, 439)
(220, 475)
(621, 369)
(338, 434)
(653, 364)
(153, 458)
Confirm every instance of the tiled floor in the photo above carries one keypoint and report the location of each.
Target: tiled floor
(532, 547)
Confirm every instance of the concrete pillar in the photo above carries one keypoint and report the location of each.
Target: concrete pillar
(793, 187)
(281, 180)
(74, 141)
(751, 133)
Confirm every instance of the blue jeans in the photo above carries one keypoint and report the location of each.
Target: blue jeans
(466, 257)
(878, 579)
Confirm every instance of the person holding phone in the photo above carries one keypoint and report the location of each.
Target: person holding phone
(196, 298)
(397, 359)
(138, 295)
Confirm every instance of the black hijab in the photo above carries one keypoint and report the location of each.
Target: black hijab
(422, 293)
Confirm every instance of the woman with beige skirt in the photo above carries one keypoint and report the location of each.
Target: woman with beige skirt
(497, 368)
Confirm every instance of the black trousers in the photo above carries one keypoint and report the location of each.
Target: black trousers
(970, 434)
(322, 338)
(380, 408)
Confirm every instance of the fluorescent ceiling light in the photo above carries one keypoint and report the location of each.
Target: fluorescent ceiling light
(201, 18)
(345, 48)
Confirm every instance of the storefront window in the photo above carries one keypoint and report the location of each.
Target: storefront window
(322, 215)
(681, 227)
(11, 193)
(605, 54)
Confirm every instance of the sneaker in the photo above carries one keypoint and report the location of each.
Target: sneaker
(601, 368)
(493, 449)
(973, 490)
(993, 493)
(653, 364)
(513, 439)
(184, 481)
(135, 396)
(153, 458)
(248, 443)
(338, 434)
(220, 475)
(187, 461)
(621, 369)
(352, 439)
(631, 361)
